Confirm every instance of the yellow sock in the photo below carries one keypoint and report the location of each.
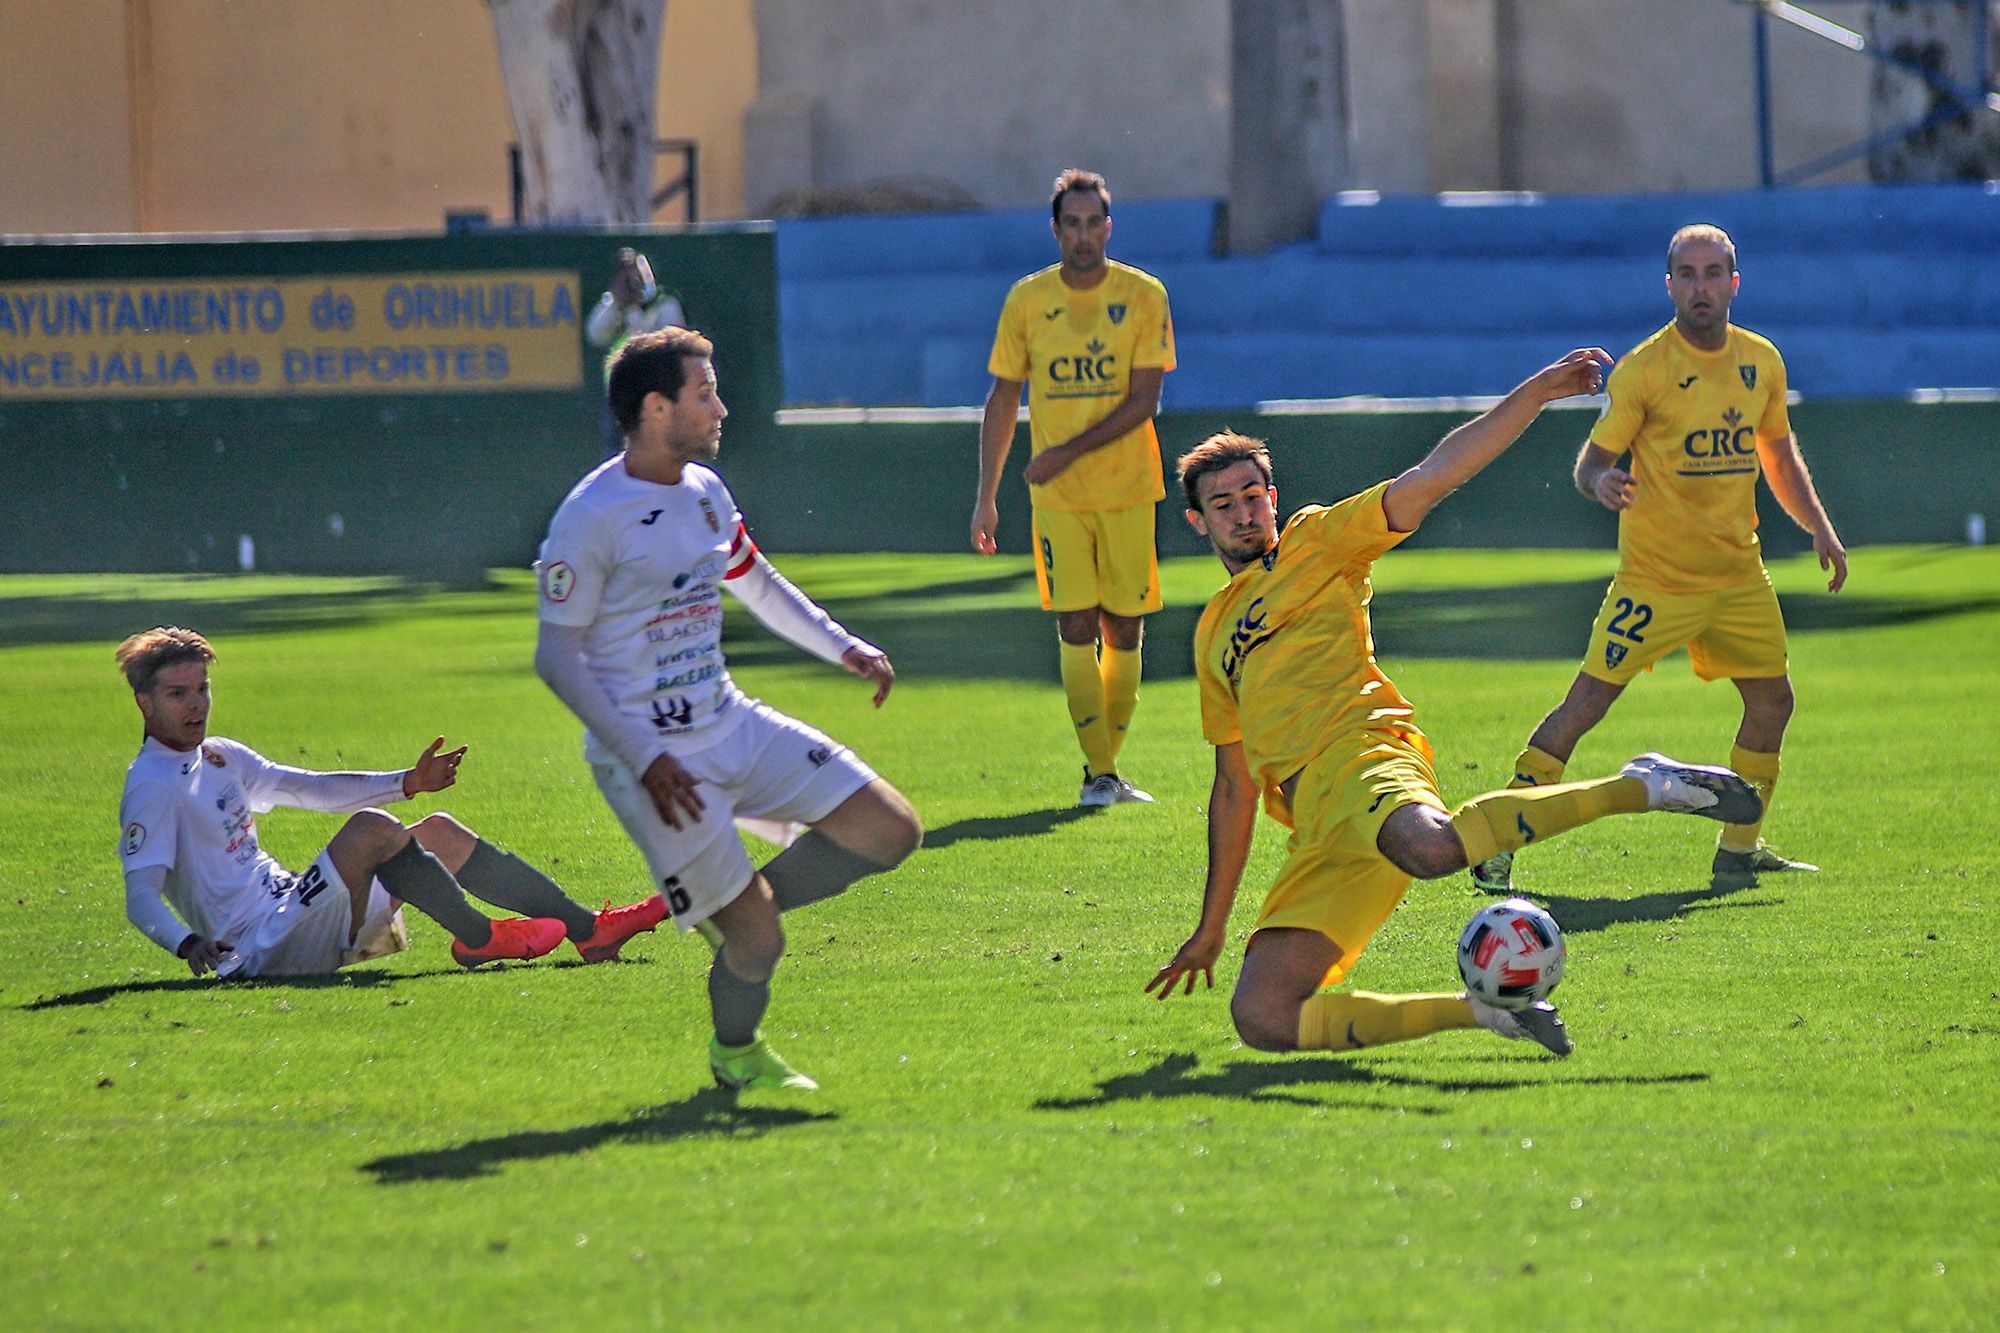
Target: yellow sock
(1506, 821)
(1760, 770)
(1085, 688)
(1354, 1020)
(1537, 768)
(1119, 669)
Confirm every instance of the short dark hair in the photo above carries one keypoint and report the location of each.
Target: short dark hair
(149, 652)
(1224, 449)
(1076, 178)
(653, 362)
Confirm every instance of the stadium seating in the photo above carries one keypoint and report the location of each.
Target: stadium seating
(1871, 292)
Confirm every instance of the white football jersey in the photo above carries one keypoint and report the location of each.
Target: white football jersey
(194, 813)
(641, 566)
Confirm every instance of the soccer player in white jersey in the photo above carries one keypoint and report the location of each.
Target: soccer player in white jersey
(199, 884)
(631, 639)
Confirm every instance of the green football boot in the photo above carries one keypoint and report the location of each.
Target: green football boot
(754, 1066)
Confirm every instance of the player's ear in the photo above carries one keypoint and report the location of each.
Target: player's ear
(1735, 283)
(1196, 522)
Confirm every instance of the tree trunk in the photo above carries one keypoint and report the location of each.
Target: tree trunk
(582, 77)
(1945, 40)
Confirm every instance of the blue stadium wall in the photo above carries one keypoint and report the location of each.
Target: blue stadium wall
(1890, 292)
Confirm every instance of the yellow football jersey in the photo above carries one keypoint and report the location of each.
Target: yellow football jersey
(1076, 351)
(1693, 420)
(1284, 652)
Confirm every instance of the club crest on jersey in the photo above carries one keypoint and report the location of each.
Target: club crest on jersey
(708, 512)
(1749, 374)
(213, 755)
(135, 838)
(1614, 653)
(557, 581)
(1117, 312)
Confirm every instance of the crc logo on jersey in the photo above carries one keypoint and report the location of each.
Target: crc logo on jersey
(708, 512)
(214, 756)
(135, 838)
(557, 581)
(1749, 374)
(1117, 312)
(1614, 653)
(1251, 633)
(1094, 367)
(1732, 439)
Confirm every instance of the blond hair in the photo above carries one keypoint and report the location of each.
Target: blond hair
(149, 652)
(1704, 232)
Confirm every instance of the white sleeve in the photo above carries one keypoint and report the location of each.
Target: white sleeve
(334, 793)
(268, 784)
(559, 661)
(789, 613)
(601, 325)
(146, 907)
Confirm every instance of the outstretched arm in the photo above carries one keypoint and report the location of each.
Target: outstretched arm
(996, 441)
(1141, 404)
(799, 620)
(1461, 455)
(1232, 820)
(1793, 485)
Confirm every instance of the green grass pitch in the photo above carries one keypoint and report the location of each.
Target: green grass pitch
(1781, 1111)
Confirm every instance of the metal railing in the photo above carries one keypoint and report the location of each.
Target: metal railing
(685, 186)
(1959, 99)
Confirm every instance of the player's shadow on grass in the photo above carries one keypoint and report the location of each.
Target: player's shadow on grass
(1578, 916)
(712, 1112)
(993, 828)
(249, 985)
(1269, 1081)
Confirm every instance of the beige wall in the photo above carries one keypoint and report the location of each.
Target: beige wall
(65, 133)
(202, 115)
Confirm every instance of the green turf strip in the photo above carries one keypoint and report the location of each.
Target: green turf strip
(1781, 1111)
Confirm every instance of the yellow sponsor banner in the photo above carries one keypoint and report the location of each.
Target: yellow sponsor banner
(480, 332)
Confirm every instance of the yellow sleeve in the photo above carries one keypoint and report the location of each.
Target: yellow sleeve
(1010, 341)
(1777, 422)
(1221, 724)
(1355, 529)
(1156, 353)
(1624, 409)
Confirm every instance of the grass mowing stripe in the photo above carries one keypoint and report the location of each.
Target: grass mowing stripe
(1779, 1112)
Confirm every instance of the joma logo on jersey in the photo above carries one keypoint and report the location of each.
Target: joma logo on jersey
(1251, 632)
(1095, 366)
(1731, 439)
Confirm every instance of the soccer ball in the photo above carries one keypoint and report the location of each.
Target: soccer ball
(1511, 954)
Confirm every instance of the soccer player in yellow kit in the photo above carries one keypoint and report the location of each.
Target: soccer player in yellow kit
(1299, 713)
(1092, 339)
(1700, 406)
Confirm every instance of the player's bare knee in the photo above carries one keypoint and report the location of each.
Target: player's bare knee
(1263, 1023)
(754, 954)
(902, 833)
(1418, 840)
(375, 830)
(444, 837)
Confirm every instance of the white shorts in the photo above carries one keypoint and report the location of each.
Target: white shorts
(769, 767)
(303, 928)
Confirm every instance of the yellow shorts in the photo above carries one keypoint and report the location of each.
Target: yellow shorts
(1334, 879)
(1101, 557)
(1736, 633)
